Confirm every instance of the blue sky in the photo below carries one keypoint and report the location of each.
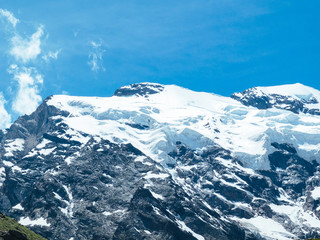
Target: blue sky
(91, 48)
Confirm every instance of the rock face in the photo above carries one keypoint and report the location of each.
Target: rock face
(161, 162)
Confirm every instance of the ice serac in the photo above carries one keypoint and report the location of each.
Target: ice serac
(164, 162)
(296, 98)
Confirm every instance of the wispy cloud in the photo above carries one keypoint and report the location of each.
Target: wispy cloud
(26, 49)
(5, 118)
(29, 82)
(51, 55)
(95, 61)
(9, 17)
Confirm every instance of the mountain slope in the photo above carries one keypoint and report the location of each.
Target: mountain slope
(11, 230)
(164, 162)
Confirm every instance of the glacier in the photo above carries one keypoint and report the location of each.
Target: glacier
(198, 119)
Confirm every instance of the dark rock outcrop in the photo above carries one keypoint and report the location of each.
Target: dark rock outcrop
(139, 89)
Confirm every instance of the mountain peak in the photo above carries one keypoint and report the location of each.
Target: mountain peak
(297, 90)
(293, 97)
(139, 89)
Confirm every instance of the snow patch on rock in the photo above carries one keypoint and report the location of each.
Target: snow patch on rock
(267, 227)
(12, 146)
(35, 222)
(315, 193)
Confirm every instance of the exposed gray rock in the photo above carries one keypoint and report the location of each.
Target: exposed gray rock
(139, 89)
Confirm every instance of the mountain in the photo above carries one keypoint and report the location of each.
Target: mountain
(164, 162)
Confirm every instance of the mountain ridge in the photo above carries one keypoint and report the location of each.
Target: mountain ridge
(293, 97)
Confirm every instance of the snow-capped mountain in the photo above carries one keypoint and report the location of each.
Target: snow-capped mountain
(163, 162)
(295, 98)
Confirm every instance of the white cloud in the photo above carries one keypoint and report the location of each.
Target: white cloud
(5, 118)
(26, 49)
(96, 45)
(9, 16)
(51, 55)
(96, 57)
(29, 81)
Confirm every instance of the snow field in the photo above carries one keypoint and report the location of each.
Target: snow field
(199, 120)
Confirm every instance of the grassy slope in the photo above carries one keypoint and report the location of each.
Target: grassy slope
(7, 224)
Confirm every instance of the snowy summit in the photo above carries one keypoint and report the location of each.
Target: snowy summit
(172, 113)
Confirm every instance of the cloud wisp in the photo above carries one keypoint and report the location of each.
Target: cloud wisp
(5, 117)
(29, 81)
(26, 49)
(95, 61)
(9, 17)
(51, 56)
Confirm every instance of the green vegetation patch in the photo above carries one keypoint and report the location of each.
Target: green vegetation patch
(10, 227)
